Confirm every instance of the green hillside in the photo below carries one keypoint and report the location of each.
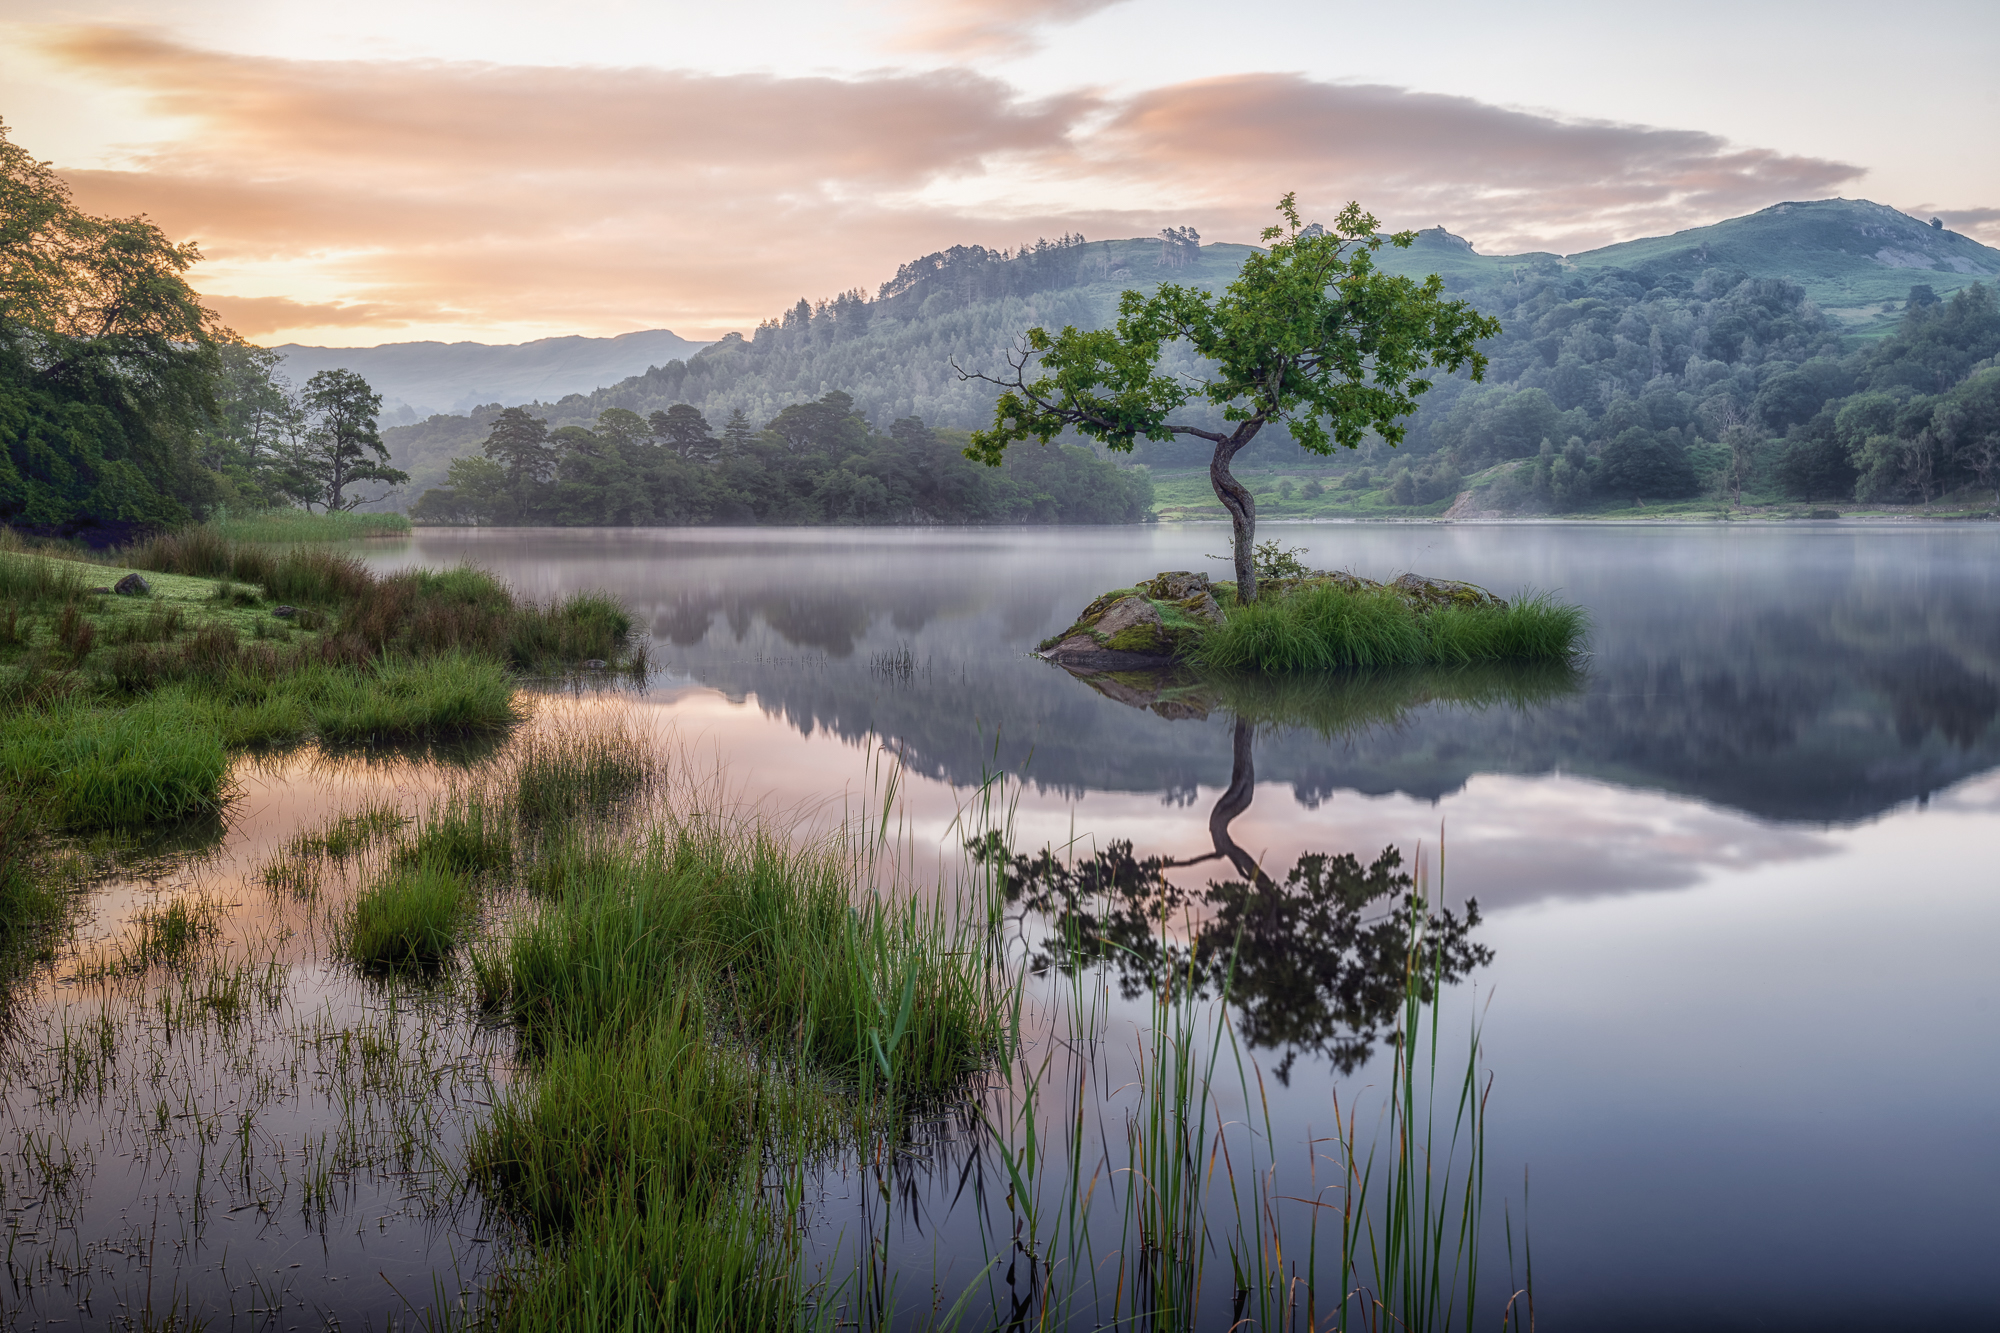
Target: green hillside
(1622, 369)
(1853, 257)
(1857, 260)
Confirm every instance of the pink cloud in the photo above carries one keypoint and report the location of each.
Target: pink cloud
(421, 193)
(987, 27)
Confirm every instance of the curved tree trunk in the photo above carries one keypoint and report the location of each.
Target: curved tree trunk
(1242, 507)
(1234, 801)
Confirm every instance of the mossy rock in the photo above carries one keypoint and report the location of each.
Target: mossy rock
(1136, 627)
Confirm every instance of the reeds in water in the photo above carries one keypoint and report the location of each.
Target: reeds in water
(415, 917)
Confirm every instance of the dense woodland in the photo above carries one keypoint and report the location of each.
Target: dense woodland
(815, 462)
(1617, 387)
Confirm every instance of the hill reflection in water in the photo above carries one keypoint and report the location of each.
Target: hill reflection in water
(1810, 673)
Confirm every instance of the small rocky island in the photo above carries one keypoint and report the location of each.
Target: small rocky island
(1161, 621)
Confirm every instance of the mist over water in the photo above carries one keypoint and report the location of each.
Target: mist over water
(1733, 884)
(1746, 1068)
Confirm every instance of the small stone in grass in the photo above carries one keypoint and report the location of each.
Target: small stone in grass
(284, 612)
(132, 585)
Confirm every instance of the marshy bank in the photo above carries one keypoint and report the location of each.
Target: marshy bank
(128, 681)
(563, 1031)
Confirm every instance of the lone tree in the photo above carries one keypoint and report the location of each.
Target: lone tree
(340, 438)
(1310, 334)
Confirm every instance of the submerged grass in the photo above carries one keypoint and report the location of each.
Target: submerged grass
(468, 834)
(569, 772)
(1325, 627)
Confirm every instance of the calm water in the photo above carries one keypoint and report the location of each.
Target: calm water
(1738, 879)
(1741, 887)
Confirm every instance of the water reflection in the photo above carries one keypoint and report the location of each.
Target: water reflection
(1815, 675)
(1312, 964)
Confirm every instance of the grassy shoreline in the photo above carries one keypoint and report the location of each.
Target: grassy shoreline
(123, 712)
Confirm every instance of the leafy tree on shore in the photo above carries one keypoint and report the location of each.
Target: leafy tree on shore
(341, 446)
(108, 362)
(1310, 335)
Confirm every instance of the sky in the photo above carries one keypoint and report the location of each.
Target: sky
(498, 170)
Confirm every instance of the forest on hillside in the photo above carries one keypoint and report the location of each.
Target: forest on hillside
(1607, 385)
(1611, 390)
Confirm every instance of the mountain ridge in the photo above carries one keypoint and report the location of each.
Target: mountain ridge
(425, 378)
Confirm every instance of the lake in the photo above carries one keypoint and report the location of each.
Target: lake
(1736, 876)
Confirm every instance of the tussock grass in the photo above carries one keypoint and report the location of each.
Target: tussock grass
(433, 699)
(413, 918)
(575, 771)
(467, 834)
(703, 1005)
(672, 1262)
(555, 1154)
(1324, 627)
(875, 992)
(31, 581)
(165, 756)
(94, 768)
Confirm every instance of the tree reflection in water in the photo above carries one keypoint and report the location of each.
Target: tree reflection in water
(1312, 964)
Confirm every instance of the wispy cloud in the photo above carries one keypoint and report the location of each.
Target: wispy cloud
(964, 28)
(341, 197)
(1510, 180)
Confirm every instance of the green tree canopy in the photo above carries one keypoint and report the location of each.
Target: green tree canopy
(1310, 334)
(341, 446)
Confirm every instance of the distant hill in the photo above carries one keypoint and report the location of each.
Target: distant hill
(1852, 257)
(421, 379)
(1757, 319)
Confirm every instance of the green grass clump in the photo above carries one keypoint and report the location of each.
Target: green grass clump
(698, 1007)
(90, 767)
(414, 918)
(1536, 628)
(568, 773)
(554, 1154)
(32, 581)
(579, 628)
(663, 1261)
(634, 1161)
(873, 992)
(426, 699)
(468, 834)
(1324, 627)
